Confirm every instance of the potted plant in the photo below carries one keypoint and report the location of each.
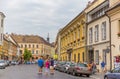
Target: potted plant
(118, 34)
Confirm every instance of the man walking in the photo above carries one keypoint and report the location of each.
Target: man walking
(40, 64)
(103, 66)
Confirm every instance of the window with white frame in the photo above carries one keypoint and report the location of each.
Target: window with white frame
(104, 56)
(103, 30)
(90, 35)
(96, 33)
(97, 57)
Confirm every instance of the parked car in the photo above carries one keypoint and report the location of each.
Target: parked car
(7, 63)
(79, 68)
(114, 74)
(59, 65)
(2, 64)
(65, 66)
(13, 62)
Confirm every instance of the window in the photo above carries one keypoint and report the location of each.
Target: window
(83, 31)
(36, 51)
(29, 46)
(96, 33)
(103, 30)
(75, 57)
(90, 35)
(37, 46)
(78, 33)
(1, 37)
(97, 57)
(21, 46)
(104, 56)
(2, 23)
(32, 51)
(78, 56)
(83, 56)
(25, 46)
(99, 13)
(21, 52)
(119, 47)
(119, 26)
(74, 36)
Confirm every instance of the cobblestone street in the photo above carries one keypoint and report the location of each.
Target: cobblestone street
(30, 72)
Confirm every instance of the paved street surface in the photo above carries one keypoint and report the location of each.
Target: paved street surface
(30, 72)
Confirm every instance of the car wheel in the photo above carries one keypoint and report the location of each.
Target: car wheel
(74, 73)
(105, 77)
(88, 75)
(68, 72)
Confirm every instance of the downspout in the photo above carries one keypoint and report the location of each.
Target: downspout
(86, 38)
(110, 41)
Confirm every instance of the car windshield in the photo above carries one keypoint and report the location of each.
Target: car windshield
(82, 65)
(1, 61)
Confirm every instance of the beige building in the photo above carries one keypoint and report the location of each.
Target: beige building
(98, 32)
(114, 15)
(2, 16)
(35, 44)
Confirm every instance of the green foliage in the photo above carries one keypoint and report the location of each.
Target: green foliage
(27, 55)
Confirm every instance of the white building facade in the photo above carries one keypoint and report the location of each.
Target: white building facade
(2, 16)
(98, 36)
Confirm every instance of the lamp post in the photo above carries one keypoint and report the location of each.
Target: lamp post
(110, 50)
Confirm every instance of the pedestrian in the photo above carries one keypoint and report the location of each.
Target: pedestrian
(40, 64)
(94, 68)
(52, 66)
(103, 66)
(89, 66)
(47, 65)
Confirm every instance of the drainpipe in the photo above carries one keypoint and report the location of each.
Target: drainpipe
(86, 49)
(110, 41)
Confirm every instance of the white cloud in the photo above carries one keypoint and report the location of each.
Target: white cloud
(40, 17)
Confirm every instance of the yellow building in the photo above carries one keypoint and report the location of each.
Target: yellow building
(72, 40)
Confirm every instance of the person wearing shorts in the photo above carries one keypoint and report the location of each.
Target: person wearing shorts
(40, 64)
(47, 64)
(52, 66)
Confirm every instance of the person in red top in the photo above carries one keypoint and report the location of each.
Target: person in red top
(47, 65)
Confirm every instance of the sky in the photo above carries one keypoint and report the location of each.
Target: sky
(39, 17)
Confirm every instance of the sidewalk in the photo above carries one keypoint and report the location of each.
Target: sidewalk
(98, 76)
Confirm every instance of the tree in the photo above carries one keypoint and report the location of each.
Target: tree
(27, 55)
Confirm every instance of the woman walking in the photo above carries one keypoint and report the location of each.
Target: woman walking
(47, 65)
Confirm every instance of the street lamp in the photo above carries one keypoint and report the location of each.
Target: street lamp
(110, 50)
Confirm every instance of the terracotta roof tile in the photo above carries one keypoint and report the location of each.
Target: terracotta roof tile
(29, 39)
